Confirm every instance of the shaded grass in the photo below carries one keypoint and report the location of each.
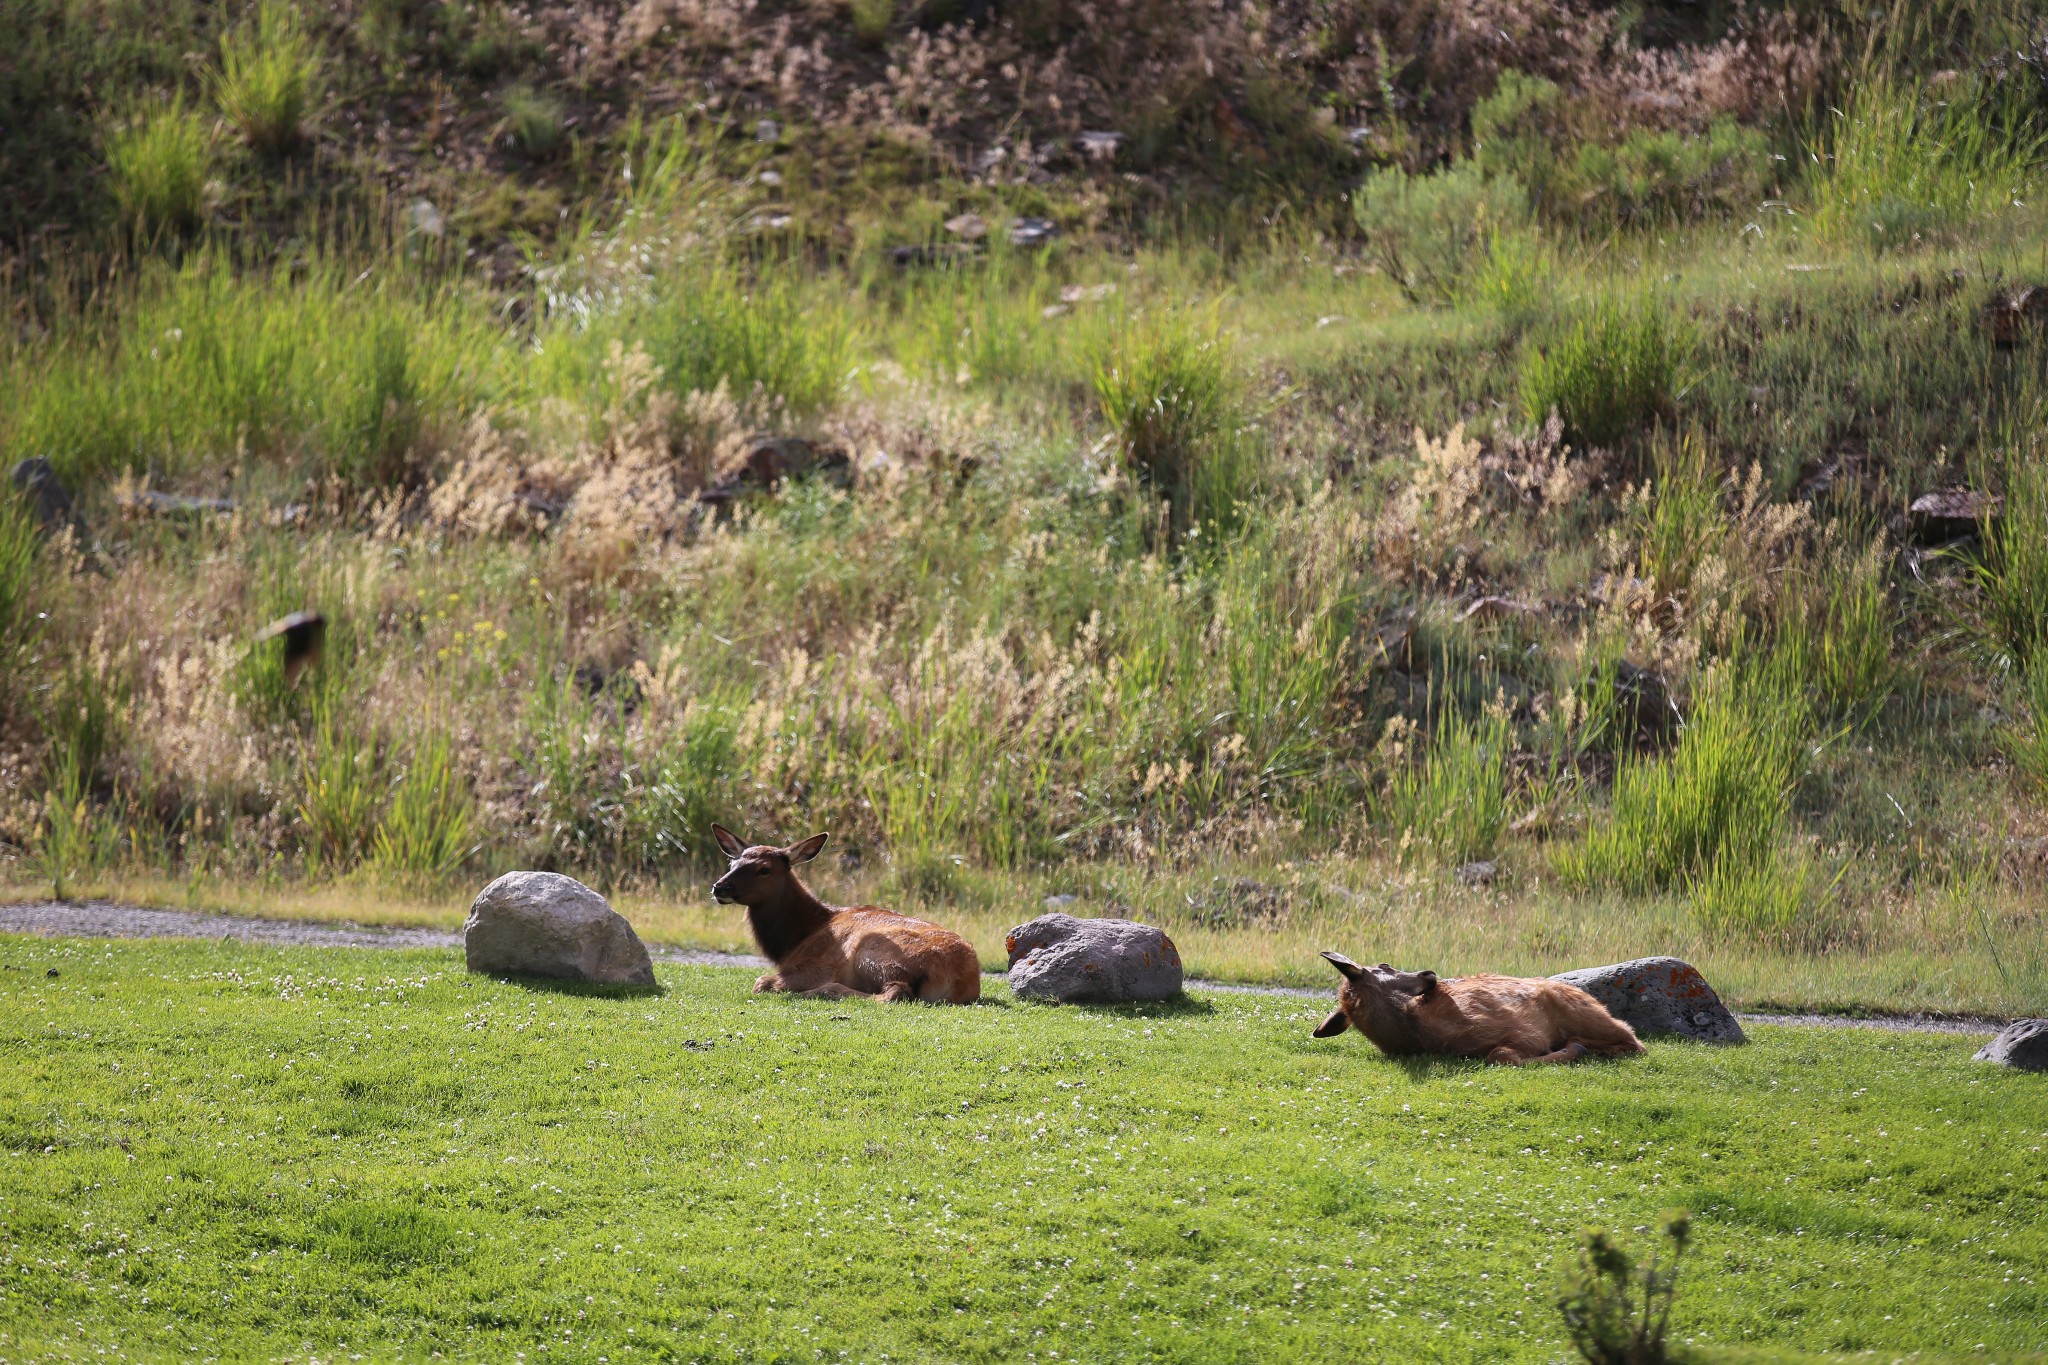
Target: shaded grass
(231, 1151)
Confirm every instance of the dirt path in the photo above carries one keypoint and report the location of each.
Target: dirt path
(109, 919)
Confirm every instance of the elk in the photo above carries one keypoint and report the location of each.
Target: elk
(838, 951)
(1508, 1020)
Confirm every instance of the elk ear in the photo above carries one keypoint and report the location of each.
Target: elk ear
(1351, 969)
(1332, 1026)
(731, 843)
(807, 850)
(1428, 982)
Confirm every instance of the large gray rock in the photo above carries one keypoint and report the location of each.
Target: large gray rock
(1659, 995)
(545, 924)
(1058, 957)
(2023, 1044)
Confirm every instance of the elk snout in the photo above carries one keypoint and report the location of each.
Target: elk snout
(721, 890)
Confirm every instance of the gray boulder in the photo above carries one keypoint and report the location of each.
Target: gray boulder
(1058, 957)
(47, 498)
(2023, 1044)
(1659, 995)
(545, 924)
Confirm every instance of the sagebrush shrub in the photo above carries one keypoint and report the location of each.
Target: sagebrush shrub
(1430, 232)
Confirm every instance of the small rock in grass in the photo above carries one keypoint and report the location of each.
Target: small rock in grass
(49, 501)
(545, 924)
(1484, 872)
(2023, 1045)
(1659, 995)
(1061, 958)
(1060, 901)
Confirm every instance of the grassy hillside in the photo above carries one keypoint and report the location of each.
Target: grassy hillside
(1525, 481)
(244, 1153)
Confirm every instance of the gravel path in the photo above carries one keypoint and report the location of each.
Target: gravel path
(109, 919)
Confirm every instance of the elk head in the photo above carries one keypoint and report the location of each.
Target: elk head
(759, 872)
(1375, 999)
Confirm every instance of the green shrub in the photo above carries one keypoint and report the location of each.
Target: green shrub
(708, 325)
(1166, 394)
(1770, 902)
(1515, 129)
(1430, 232)
(269, 73)
(425, 830)
(1611, 377)
(1660, 177)
(1618, 1312)
(1451, 807)
(534, 122)
(871, 20)
(1716, 805)
(159, 167)
(2012, 572)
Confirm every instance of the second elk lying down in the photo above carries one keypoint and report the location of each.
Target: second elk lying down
(1509, 1020)
(819, 949)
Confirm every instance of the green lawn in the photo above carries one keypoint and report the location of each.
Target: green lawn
(245, 1153)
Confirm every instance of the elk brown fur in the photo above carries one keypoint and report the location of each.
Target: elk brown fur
(838, 951)
(1508, 1020)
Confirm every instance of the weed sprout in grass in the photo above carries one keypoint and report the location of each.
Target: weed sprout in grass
(1618, 1311)
(1614, 374)
(159, 166)
(269, 73)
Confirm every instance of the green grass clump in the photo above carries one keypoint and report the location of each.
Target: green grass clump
(1167, 396)
(1715, 806)
(428, 823)
(1451, 807)
(534, 121)
(269, 74)
(2012, 573)
(1901, 165)
(20, 542)
(1612, 376)
(240, 1152)
(159, 166)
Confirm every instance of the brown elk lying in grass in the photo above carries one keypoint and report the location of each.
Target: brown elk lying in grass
(820, 949)
(1509, 1020)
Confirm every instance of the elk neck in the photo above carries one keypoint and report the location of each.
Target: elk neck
(788, 917)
